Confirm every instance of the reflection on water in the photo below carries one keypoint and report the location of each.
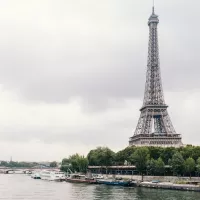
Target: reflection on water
(17, 187)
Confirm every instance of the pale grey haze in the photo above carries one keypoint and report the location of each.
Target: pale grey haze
(72, 73)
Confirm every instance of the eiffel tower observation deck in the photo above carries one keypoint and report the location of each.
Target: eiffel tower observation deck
(154, 127)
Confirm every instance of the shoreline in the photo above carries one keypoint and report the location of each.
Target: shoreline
(170, 186)
(170, 179)
(165, 182)
(162, 185)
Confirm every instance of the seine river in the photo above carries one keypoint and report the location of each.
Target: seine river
(23, 187)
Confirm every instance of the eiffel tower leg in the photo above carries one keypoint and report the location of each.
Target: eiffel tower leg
(168, 124)
(144, 125)
(139, 125)
(147, 126)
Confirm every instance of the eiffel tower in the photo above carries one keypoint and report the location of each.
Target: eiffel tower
(154, 127)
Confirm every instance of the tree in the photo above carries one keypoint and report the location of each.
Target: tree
(151, 166)
(65, 165)
(155, 152)
(75, 162)
(53, 164)
(101, 156)
(78, 163)
(177, 163)
(160, 166)
(196, 152)
(140, 158)
(65, 161)
(189, 166)
(198, 166)
(82, 164)
(167, 154)
(187, 151)
(125, 154)
(155, 167)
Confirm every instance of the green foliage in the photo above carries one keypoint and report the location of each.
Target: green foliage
(65, 161)
(167, 154)
(186, 151)
(123, 155)
(155, 152)
(155, 167)
(53, 164)
(177, 163)
(151, 167)
(147, 159)
(198, 161)
(189, 165)
(64, 168)
(13, 164)
(140, 158)
(198, 165)
(65, 165)
(196, 153)
(101, 156)
(190, 151)
(78, 163)
(75, 163)
(160, 166)
(181, 182)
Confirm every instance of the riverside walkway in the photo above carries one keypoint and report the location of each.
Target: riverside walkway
(171, 186)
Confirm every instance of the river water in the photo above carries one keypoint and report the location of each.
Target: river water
(17, 187)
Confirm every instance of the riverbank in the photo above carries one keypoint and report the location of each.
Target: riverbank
(166, 182)
(171, 186)
(170, 179)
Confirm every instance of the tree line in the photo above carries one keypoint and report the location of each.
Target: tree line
(13, 164)
(183, 161)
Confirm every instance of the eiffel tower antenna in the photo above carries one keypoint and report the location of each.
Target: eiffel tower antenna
(153, 6)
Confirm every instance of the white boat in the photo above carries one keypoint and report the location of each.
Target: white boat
(19, 172)
(52, 175)
(9, 172)
(97, 176)
(28, 172)
(35, 175)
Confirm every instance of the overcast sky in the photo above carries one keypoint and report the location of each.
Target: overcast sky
(72, 73)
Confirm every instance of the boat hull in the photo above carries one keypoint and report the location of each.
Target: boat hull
(81, 181)
(35, 176)
(114, 183)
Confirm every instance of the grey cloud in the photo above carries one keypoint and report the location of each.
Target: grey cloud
(97, 52)
(99, 136)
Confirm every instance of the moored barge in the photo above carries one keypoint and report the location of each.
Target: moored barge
(77, 178)
(114, 182)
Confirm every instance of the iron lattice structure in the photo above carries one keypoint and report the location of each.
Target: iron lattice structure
(154, 127)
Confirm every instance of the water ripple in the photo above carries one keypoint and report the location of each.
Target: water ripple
(22, 187)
